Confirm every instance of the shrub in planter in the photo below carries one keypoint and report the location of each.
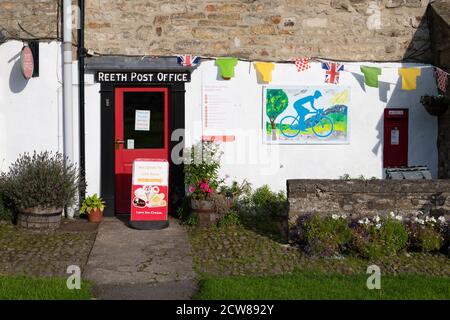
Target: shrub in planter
(201, 169)
(426, 234)
(379, 236)
(40, 186)
(202, 164)
(325, 236)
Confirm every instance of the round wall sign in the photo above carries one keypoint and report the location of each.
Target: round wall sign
(27, 62)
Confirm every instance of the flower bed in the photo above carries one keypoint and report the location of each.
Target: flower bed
(372, 237)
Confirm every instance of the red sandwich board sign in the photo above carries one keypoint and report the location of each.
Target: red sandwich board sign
(27, 62)
(149, 194)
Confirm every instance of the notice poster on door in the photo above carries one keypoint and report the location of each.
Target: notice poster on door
(149, 192)
(142, 120)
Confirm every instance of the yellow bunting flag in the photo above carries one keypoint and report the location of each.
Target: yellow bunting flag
(265, 70)
(409, 77)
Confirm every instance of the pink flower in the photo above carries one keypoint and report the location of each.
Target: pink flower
(191, 189)
(210, 190)
(204, 186)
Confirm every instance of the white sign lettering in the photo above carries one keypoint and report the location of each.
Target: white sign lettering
(143, 76)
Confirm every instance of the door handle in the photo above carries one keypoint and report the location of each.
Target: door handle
(118, 142)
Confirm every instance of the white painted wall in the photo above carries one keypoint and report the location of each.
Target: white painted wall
(30, 119)
(92, 129)
(30, 110)
(362, 156)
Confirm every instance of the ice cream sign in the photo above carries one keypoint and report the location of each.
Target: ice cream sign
(149, 192)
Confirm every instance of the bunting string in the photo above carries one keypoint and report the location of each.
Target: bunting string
(332, 69)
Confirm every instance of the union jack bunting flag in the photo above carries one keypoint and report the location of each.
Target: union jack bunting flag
(188, 60)
(332, 71)
(441, 79)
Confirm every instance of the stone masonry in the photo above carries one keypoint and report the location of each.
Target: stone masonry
(367, 197)
(439, 15)
(358, 30)
(38, 18)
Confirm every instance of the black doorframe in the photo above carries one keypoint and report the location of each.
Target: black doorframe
(107, 154)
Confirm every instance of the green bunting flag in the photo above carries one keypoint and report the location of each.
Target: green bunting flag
(371, 75)
(226, 67)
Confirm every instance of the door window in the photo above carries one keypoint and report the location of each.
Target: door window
(143, 120)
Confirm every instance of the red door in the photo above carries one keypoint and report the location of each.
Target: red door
(141, 131)
(395, 150)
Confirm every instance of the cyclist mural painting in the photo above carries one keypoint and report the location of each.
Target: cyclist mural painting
(306, 114)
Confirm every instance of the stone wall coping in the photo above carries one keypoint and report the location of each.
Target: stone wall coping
(296, 186)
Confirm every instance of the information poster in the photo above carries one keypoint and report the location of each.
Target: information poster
(149, 192)
(220, 108)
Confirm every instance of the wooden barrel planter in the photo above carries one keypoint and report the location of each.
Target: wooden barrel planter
(205, 211)
(39, 219)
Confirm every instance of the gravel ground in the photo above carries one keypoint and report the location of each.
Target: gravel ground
(238, 251)
(24, 252)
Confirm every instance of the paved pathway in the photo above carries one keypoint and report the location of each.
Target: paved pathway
(141, 264)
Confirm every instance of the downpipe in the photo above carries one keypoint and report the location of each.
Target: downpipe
(68, 147)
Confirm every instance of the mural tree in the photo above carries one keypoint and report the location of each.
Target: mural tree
(276, 102)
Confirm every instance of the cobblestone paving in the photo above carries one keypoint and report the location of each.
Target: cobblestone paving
(24, 252)
(237, 251)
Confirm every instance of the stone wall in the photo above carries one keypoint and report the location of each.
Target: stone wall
(439, 16)
(253, 29)
(38, 18)
(262, 29)
(367, 197)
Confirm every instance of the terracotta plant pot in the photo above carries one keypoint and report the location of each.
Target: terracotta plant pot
(95, 216)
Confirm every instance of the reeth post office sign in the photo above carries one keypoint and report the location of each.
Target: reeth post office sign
(143, 77)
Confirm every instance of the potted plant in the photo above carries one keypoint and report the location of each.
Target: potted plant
(435, 105)
(39, 187)
(201, 169)
(93, 206)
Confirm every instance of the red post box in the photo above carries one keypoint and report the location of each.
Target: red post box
(395, 149)
(149, 194)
